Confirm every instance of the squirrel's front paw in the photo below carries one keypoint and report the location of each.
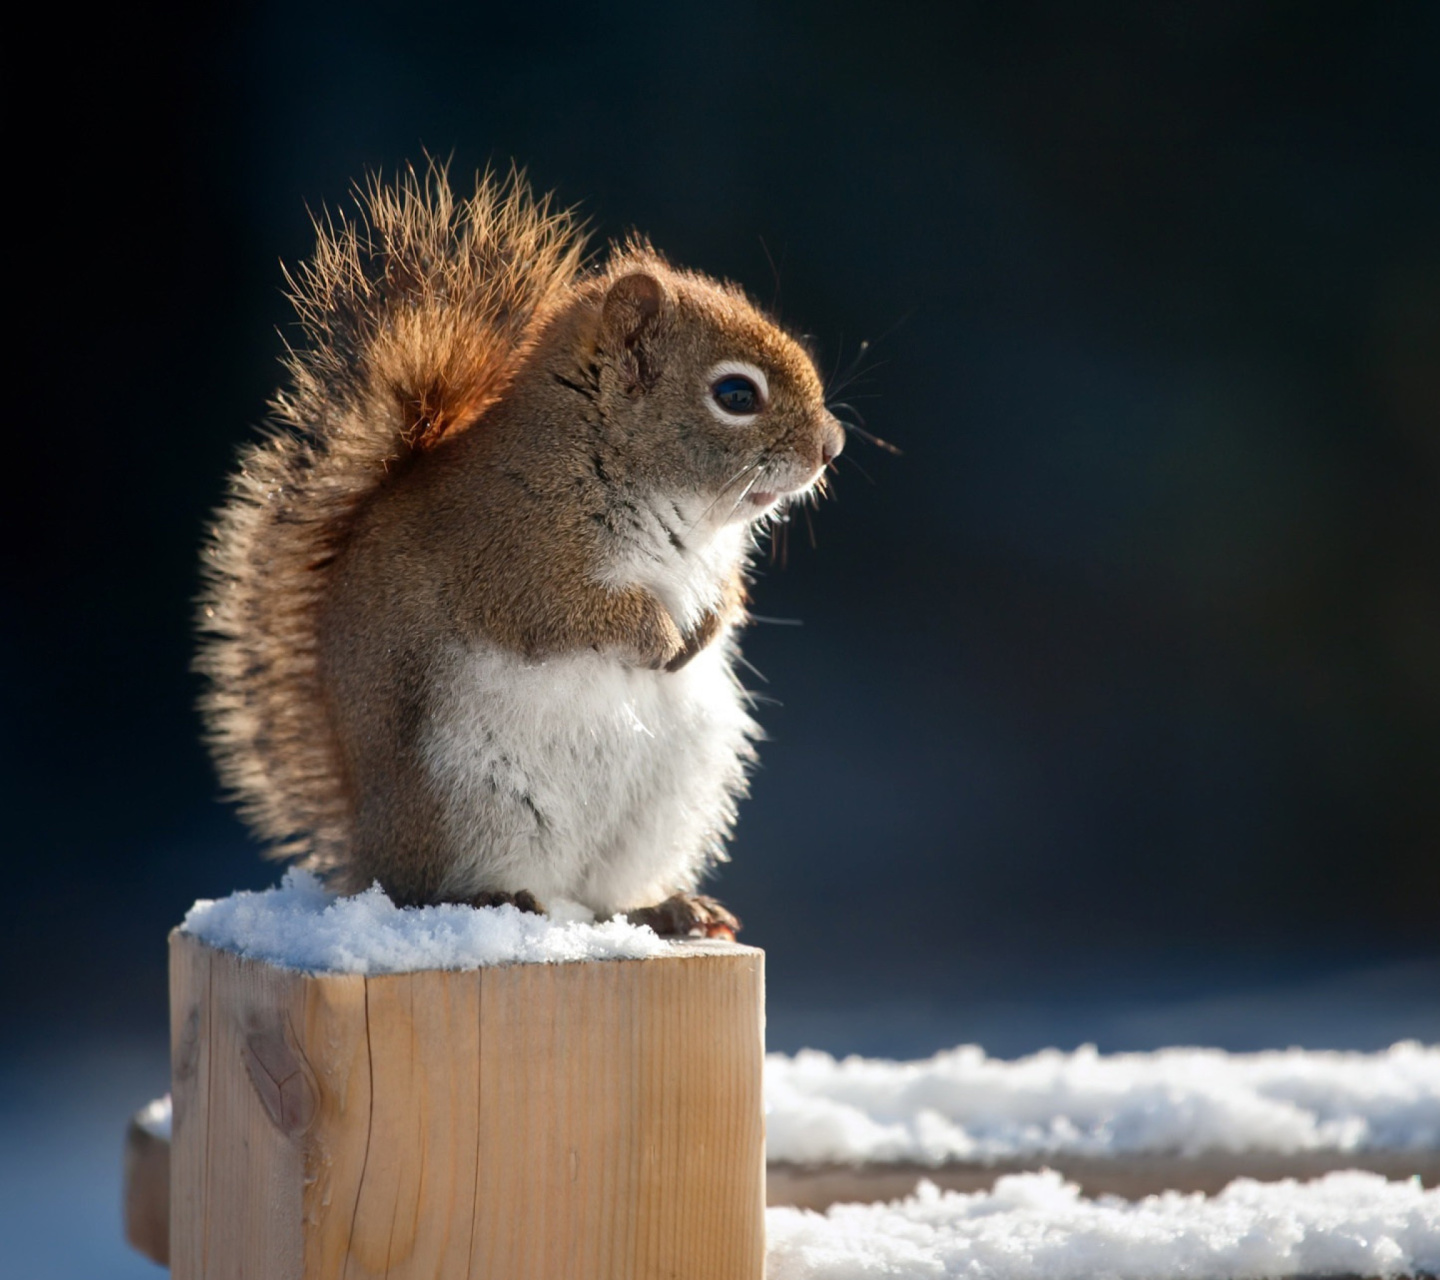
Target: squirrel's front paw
(688, 915)
(705, 631)
(524, 900)
(657, 650)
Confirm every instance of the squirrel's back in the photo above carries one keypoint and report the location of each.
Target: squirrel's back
(415, 318)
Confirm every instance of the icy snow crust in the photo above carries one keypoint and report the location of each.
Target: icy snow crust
(961, 1105)
(1034, 1225)
(300, 925)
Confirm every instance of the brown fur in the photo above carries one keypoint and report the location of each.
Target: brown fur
(446, 464)
(414, 317)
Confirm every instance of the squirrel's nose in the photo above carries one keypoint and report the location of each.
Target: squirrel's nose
(832, 440)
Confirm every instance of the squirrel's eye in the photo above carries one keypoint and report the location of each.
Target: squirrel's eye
(736, 394)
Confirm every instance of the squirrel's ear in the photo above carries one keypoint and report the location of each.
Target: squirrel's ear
(633, 305)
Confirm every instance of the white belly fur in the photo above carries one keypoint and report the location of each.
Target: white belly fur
(582, 778)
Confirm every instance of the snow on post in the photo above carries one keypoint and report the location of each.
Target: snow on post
(542, 1099)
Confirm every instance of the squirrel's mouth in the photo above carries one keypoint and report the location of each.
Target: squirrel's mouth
(756, 504)
(759, 501)
(782, 484)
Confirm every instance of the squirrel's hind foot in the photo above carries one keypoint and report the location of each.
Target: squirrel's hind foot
(688, 915)
(524, 900)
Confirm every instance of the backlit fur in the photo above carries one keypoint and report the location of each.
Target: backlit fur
(470, 606)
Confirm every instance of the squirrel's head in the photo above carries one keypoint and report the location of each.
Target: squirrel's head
(703, 399)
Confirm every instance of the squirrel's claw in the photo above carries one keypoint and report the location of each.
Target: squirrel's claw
(688, 915)
(523, 900)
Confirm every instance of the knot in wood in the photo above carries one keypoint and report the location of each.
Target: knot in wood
(281, 1078)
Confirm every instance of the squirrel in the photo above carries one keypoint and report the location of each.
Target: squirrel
(470, 606)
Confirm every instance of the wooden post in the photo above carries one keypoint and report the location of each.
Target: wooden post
(590, 1121)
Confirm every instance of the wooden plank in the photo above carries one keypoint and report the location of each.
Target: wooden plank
(146, 1194)
(1129, 1176)
(579, 1120)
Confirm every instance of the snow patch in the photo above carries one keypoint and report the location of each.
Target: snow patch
(301, 925)
(1035, 1226)
(962, 1105)
(156, 1117)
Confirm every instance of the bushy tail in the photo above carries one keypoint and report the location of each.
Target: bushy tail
(415, 315)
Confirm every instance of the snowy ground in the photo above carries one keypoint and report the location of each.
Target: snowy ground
(1034, 1226)
(962, 1105)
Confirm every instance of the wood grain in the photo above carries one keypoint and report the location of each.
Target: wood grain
(599, 1120)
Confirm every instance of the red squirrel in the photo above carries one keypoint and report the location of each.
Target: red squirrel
(470, 607)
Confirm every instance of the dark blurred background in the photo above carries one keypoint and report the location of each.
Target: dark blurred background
(1115, 711)
(1116, 696)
